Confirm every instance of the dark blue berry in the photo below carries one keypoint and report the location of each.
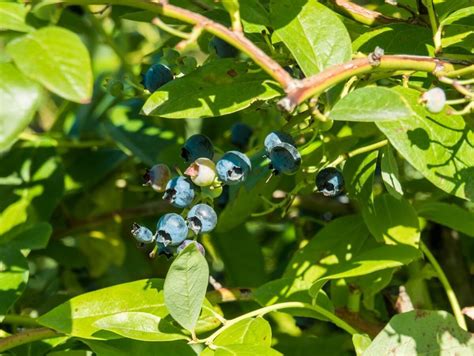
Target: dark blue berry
(171, 229)
(330, 182)
(202, 218)
(222, 48)
(197, 146)
(142, 234)
(285, 159)
(276, 137)
(179, 192)
(186, 243)
(156, 76)
(233, 168)
(240, 134)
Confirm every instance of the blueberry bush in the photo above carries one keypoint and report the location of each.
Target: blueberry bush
(236, 177)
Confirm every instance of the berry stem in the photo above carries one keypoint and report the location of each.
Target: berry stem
(446, 285)
(27, 336)
(160, 24)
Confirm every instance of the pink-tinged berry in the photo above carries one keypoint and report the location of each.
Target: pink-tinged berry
(202, 172)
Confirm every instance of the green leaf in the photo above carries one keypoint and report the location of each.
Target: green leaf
(245, 350)
(422, 332)
(396, 39)
(127, 347)
(359, 176)
(393, 221)
(458, 15)
(315, 35)
(390, 175)
(445, 8)
(77, 316)
(361, 343)
(371, 104)
(449, 215)
(458, 36)
(19, 100)
(185, 286)
(26, 236)
(13, 18)
(13, 277)
(215, 89)
(140, 326)
(437, 145)
(252, 331)
(56, 58)
(376, 259)
(335, 243)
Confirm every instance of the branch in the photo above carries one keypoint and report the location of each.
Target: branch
(236, 39)
(27, 337)
(317, 84)
(361, 14)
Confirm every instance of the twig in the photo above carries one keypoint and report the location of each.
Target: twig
(363, 15)
(172, 31)
(27, 336)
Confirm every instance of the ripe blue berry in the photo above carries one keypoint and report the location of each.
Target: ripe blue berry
(179, 192)
(240, 134)
(202, 218)
(142, 234)
(285, 159)
(222, 48)
(156, 76)
(157, 176)
(171, 229)
(186, 243)
(233, 168)
(276, 137)
(330, 182)
(197, 146)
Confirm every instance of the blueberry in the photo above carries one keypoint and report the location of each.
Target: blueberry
(186, 243)
(142, 234)
(164, 250)
(202, 172)
(179, 192)
(197, 146)
(434, 99)
(275, 138)
(156, 76)
(171, 229)
(330, 182)
(222, 48)
(285, 159)
(240, 134)
(233, 168)
(202, 218)
(157, 176)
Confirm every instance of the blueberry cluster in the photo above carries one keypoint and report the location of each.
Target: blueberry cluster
(194, 192)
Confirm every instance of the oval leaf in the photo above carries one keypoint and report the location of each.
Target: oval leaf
(215, 89)
(449, 215)
(371, 104)
(390, 173)
(19, 99)
(185, 286)
(439, 146)
(140, 326)
(314, 34)
(252, 331)
(56, 58)
(13, 17)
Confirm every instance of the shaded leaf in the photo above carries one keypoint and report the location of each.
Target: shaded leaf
(314, 34)
(127, 347)
(422, 332)
(19, 99)
(371, 104)
(185, 286)
(26, 236)
(56, 58)
(390, 175)
(245, 350)
(215, 89)
(449, 215)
